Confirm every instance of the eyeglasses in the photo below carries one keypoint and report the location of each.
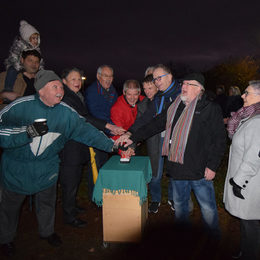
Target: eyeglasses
(106, 76)
(159, 78)
(189, 84)
(246, 93)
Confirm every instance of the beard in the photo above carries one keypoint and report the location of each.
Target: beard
(184, 98)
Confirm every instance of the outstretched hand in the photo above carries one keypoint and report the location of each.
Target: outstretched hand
(124, 139)
(128, 153)
(115, 130)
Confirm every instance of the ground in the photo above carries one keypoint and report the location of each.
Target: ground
(160, 238)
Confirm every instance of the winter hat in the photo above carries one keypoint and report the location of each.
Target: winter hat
(26, 30)
(43, 77)
(195, 76)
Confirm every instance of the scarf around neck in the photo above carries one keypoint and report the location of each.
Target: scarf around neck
(239, 116)
(175, 141)
(108, 95)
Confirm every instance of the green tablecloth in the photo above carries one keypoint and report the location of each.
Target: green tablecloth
(129, 177)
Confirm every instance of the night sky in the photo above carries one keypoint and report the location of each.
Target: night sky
(131, 35)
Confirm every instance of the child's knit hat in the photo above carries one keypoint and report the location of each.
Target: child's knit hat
(26, 30)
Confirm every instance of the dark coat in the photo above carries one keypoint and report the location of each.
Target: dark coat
(206, 142)
(153, 144)
(75, 153)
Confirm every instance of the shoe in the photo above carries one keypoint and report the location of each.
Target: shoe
(153, 208)
(78, 223)
(53, 240)
(80, 210)
(8, 249)
(171, 203)
(237, 255)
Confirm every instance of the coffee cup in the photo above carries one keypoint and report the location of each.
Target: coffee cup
(41, 121)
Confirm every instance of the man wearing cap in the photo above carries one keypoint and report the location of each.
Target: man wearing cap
(194, 144)
(30, 161)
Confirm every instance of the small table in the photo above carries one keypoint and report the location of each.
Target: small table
(122, 190)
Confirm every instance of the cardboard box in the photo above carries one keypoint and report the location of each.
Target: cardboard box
(123, 217)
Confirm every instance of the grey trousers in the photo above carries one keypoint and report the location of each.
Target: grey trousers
(10, 206)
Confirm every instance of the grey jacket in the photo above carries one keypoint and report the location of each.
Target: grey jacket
(244, 167)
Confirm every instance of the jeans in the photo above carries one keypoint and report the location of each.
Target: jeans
(205, 195)
(155, 183)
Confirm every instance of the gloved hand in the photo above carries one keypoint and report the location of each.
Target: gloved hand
(119, 147)
(236, 189)
(37, 129)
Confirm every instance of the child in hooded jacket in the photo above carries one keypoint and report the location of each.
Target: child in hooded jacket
(29, 39)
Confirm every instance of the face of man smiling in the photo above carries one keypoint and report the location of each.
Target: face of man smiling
(52, 93)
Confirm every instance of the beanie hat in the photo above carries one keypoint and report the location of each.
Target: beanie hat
(43, 77)
(26, 30)
(195, 76)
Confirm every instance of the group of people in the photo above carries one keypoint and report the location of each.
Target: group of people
(49, 125)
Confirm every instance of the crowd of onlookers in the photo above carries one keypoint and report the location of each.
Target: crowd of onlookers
(50, 129)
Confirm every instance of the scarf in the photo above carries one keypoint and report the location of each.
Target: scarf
(108, 95)
(166, 96)
(180, 133)
(239, 116)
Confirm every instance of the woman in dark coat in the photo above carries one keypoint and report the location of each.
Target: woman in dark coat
(75, 155)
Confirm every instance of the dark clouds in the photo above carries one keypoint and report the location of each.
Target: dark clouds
(131, 35)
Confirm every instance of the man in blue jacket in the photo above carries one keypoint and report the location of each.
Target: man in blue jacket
(169, 88)
(33, 130)
(100, 96)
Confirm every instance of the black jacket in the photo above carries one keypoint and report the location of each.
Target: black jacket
(206, 142)
(75, 153)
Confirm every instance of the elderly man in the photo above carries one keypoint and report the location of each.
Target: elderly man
(23, 86)
(169, 88)
(100, 96)
(194, 144)
(33, 130)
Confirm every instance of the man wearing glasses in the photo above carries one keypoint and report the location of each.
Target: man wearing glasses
(100, 96)
(169, 88)
(194, 144)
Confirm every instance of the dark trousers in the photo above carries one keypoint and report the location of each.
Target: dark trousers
(10, 206)
(250, 239)
(70, 177)
(73, 157)
(101, 158)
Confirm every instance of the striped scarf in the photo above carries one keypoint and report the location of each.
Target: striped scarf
(180, 133)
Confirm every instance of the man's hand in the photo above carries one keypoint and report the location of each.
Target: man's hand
(236, 189)
(124, 139)
(37, 129)
(128, 153)
(115, 130)
(209, 174)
